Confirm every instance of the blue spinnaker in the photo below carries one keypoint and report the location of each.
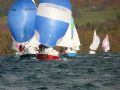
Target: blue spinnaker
(21, 20)
(53, 17)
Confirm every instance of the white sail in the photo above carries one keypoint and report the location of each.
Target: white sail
(71, 38)
(75, 40)
(33, 44)
(29, 45)
(105, 44)
(14, 45)
(66, 40)
(95, 43)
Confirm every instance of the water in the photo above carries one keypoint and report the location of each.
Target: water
(86, 72)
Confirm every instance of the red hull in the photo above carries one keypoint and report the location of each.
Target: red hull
(46, 57)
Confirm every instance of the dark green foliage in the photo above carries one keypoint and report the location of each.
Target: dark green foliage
(118, 18)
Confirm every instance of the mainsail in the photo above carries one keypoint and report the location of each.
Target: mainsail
(95, 43)
(105, 44)
(71, 38)
(53, 17)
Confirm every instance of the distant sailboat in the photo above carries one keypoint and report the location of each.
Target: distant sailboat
(70, 40)
(95, 43)
(105, 44)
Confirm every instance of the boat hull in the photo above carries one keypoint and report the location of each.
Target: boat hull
(46, 57)
(71, 54)
(28, 56)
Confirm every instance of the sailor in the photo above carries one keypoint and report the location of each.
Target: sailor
(61, 54)
(21, 49)
(67, 50)
(36, 49)
(42, 47)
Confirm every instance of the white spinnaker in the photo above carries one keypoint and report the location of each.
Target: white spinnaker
(96, 41)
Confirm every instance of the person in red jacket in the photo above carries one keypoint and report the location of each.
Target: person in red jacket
(21, 49)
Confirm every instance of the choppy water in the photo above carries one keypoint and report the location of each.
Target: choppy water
(86, 72)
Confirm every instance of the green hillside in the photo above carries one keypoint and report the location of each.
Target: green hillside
(91, 15)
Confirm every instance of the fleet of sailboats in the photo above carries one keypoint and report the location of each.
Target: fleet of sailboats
(51, 24)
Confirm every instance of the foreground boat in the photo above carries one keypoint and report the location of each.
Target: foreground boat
(27, 56)
(48, 54)
(46, 57)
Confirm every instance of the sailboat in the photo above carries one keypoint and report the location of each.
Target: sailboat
(105, 44)
(21, 22)
(95, 43)
(70, 40)
(52, 21)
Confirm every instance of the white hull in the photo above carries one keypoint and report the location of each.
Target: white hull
(92, 52)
